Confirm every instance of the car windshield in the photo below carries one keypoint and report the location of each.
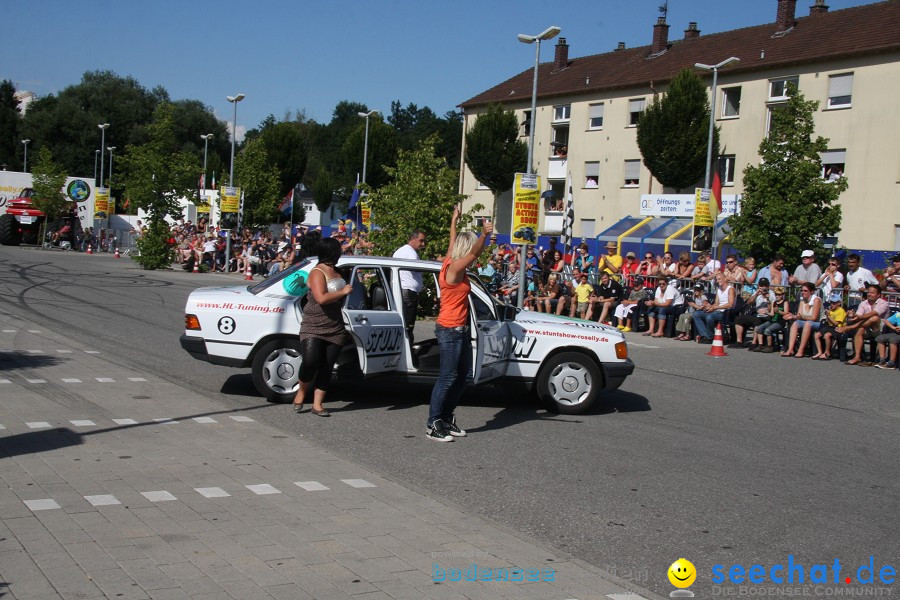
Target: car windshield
(277, 278)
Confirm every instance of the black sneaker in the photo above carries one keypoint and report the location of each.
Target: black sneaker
(438, 432)
(452, 428)
(735, 345)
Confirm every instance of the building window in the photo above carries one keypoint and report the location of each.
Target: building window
(635, 108)
(731, 102)
(596, 116)
(481, 186)
(725, 166)
(553, 202)
(632, 173)
(833, 164)
(526, 123)
(587, 228)
(562, 113)
(778, 88)
(560, 142)
(592, 174)
(770, 117)
(840, 90)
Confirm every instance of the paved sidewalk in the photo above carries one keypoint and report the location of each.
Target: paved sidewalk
(118, 484)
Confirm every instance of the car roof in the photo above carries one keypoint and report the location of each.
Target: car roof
(385, 261)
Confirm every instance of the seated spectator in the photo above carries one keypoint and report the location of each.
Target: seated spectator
(699, 301)
(208, 256)
(890, 283)
(604, 298)
(684, 267)
(734, 272)
(807, 320)
(775, 272)
(566, 295)
(705, 320)
(807, 270)
(548, 299)
(626, 307)
(648, 269)
(865, 322)
(283, 259)
(582, 295)
(857, 281)
(666, 301)
(890, 338)
(768, 331)
(509, 285)
(532, 264)
(835, 317)
(629, 268)
(666, 265)
(761, 301)
(832, 278)
(584, 263)
(750, 275)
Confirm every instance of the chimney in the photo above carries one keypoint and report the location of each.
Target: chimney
(691, 31)
(561, 61)
(819, 8)
(784, 19)
(661, 35)
(621, 46)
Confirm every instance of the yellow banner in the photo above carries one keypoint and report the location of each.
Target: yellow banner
(231, 199)
(526, 208)
(203, 208)
(701, 236)
(101, 203)
(366, 215)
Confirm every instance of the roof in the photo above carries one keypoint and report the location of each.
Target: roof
(861, 30)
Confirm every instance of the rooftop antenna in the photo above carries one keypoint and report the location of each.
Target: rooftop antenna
(664, 9)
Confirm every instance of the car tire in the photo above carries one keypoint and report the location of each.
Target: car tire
(9, 230)
(275, 369)
(569, 383)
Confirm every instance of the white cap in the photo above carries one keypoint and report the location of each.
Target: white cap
(807, 254)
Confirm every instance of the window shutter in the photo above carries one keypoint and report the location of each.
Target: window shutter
(592, 169)
(632, 169)
(834, 157)
(840, 85)
(596, 111)
(636, 105)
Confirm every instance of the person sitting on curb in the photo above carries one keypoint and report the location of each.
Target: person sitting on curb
(664, 304)
(890, 338)
(604, 297)
(865, 322)
(768, 331)
(807, 320)
(835, 317)
(626, 307)
(698, 302)
(761, 300)
(705, 320)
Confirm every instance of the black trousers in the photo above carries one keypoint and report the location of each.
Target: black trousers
(410, 305)
(317, 358)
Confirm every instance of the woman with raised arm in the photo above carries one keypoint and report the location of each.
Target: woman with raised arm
(452, 330)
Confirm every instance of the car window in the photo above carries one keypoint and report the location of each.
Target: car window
(483, 310)
(292, 280)
(369, 290)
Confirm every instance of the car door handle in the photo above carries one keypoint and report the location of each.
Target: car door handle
(361, 319)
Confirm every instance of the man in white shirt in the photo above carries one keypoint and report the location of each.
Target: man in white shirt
(858, 277)
(411, 281)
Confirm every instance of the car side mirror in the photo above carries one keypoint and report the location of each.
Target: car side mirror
(508, 312)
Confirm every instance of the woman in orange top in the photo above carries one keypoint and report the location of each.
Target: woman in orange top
(452, 331)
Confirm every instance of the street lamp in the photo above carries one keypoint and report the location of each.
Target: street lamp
(712, 110)
(96, 158)
(206, 138)
(110, 148)
(25, 167)
(366, 116)
(103, 127)
(234, 100)
(549, 33)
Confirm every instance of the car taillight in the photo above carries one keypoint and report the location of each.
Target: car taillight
(622, 350)
(191, 322)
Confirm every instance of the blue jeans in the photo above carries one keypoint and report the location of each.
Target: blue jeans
(705, 322)
(456, 370)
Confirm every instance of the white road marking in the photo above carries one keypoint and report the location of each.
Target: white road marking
(45, 504)
(205, 420)
(63, 351)
(136, 379)
(626, 596)
(241, 419)
(38, 425)
(36, 380)
(2, 426)
(160, 496)
(358, 483)
(5, 381)
(9, 331)
(102, 500)
(212, 492)
(92, 352)
(33, 331)
(105, 379)
(311, 486)
(262, 489)
(636, 345)
(83, 423)
(125, 422)
(71, 380)
(35, 352)
(166, 421)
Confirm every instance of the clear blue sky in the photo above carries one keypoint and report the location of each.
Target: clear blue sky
(311, 54)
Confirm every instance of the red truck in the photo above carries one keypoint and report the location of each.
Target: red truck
(22, 221)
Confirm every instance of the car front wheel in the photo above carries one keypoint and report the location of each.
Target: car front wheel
(276, 368)
(569, 383)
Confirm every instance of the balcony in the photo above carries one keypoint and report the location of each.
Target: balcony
(558, 167)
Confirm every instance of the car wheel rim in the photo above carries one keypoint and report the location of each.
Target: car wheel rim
(570, 383)
(281, 369)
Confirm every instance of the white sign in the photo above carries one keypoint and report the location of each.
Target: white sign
(682, 205)
(78, 189)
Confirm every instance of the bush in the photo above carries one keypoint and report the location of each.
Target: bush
(155, 250)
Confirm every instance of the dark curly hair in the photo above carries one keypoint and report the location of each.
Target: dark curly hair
(329, 251)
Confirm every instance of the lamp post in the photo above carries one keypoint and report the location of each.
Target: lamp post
(234, 100)
(547, 34)
(366, 115)
(96, 158)
(25, 166)
(712, 119)
(206, 138)
(110, 148)
(103, 127)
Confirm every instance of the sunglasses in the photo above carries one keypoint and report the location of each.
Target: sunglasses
(730, 262)
(649, 257)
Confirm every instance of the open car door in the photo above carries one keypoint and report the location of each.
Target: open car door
(374, 322)
(493, 340)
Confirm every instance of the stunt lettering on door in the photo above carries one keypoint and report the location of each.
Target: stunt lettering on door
(384, 340)
(497, 348)
(524, 347)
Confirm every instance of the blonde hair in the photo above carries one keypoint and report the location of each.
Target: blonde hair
(464, 243)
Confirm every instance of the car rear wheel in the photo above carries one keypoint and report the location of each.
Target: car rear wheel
(569, 383)
(276, 368)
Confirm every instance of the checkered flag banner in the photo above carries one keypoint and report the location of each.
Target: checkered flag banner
(568, 218)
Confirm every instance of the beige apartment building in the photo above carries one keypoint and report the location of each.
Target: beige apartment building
(847, 60)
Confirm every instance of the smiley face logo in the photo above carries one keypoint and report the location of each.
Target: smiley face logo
(682, 573)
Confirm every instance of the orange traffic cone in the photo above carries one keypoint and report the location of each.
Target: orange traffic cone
(89, 251)
(196, 266)
(117, 253)
(248, 276)
(718, 347)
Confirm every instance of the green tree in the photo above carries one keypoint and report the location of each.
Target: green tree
(48, 181)
(259, 183)
(673, 133)
(287, 148)
(155, 175)
(323, 191)
(10, 126)
(787, 206)
(494, 153)
(382, 151)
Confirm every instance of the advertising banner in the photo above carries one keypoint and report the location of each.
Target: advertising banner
(526, 200)
(682, 205)
(366, 215)
(101, 203)
(701, 235)
(231, 199)
(80, 190)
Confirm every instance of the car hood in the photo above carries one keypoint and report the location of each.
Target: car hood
(220, 292)
(548, 322)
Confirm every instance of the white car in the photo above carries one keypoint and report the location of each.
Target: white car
(567, 362)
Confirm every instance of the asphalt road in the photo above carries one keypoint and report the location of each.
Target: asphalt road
(738, 460)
